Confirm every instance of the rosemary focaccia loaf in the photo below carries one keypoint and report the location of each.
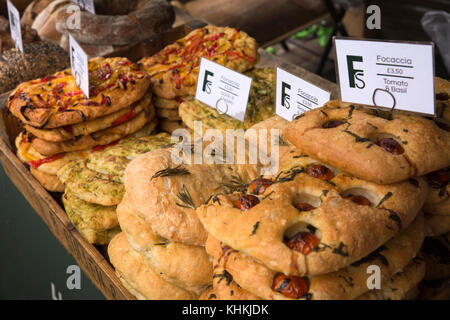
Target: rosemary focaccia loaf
(311, 218)
(55, 101)
(139, 276)
(370, 146)
(260, 106)
(438, 201)
(345, 284)
(174, 70)
(165, 186)
(85, 128)
(188, 267)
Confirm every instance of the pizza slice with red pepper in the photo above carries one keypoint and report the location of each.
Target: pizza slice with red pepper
(174, 70)
(55, 101)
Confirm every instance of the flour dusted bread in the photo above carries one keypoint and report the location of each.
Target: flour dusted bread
(371, 147)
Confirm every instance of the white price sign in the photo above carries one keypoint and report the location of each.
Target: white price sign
(14, 25)
(79, 63)
(386, 74)
(296, 96)
(223, 89)
(87, 5)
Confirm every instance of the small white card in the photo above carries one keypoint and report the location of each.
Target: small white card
(14, 26)
(79, 63)
(296, 96)
(87, 5)
(223, 89)
(386, 74)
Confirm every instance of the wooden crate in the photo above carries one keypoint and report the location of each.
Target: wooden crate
(47, 205)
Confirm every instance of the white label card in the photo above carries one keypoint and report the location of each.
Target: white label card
(296, 96)
(386, 74)
(79, 63)
(14, 26)
(223, 89)
(87, 5)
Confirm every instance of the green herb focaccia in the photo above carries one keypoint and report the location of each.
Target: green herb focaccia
(174, 70)
(312, 218)
(370, 146)
(345, 284)
(55, 101)
(261, 105)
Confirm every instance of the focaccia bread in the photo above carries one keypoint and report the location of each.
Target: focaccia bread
(99, 138)
(170, 114)
(260, 106)
(438, 201)
(167, 103)
(55, 101)
(174, 70)
(49, 182)
(436, 225)
(139, 274)
(85, 128)
(185, 266)
(347, 283)
(436, 253)
(368, 146)
(165, 188)
(442, 90)
(311, 218)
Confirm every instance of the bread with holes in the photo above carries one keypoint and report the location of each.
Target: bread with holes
(345, 218)
(381, 149)
(139, 274)
(185, 266)
(345, 284)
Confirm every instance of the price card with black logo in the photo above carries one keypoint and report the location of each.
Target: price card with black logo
(14, 26)
(87, 5)
(223, 89)
(387, 74)
(79, 63)
(296, 96)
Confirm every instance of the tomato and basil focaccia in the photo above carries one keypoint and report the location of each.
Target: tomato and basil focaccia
(371, 146)
(70, 132)
(55, 101)
(311, 218)
(260, 106)
(174, 70)
(345, 284)
(138, 276)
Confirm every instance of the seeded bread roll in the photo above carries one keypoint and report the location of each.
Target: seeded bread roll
(40, 59)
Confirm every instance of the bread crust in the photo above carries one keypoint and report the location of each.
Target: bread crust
(185, 266)
(98, 138)
(139, 274)
(43, 103)
(344, 284)
(352, 147)
(179, 77)
(49, 182)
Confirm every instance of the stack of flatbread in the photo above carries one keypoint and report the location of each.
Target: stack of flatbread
(161, 253)
(174, 70)
(94, 185)
(343, 217)
(62, 124)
